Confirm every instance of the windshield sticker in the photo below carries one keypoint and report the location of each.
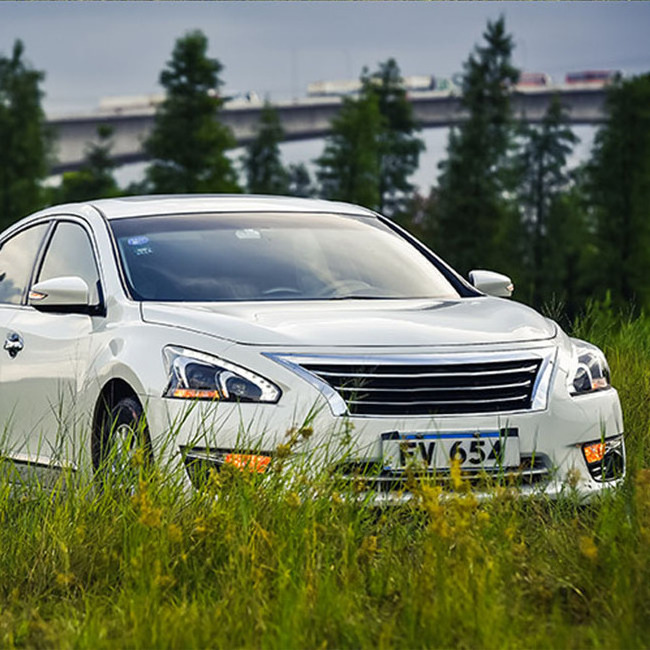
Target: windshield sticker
(137, 241)
(248, 233)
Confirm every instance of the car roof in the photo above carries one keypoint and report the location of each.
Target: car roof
(138, 206)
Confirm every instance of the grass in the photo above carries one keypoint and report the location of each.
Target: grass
(271, 566)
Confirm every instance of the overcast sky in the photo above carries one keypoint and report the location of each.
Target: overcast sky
(91, 50)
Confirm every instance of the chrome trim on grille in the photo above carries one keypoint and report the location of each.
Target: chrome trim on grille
(460, 401)
(433, 389)
(432, 374)
(539, 364)
(336, 402)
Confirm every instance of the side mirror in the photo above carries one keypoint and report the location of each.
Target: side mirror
(69, 293)
(491, 283)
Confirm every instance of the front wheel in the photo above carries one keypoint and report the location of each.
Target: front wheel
(121, 445)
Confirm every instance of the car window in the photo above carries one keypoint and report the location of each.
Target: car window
(17, 257)
(70, 253)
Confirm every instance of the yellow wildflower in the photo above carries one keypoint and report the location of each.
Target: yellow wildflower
(200, 527)
(164, 581)
(64, 579)
(150, 517)
(456, 474)
(588, 547)
(293, 500)
(137, 459)
(283, 451)
(174, 533)
(214, 480)
(368, 546)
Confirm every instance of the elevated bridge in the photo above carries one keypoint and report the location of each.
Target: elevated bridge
(304, 119)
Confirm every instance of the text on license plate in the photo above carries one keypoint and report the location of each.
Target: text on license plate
(478, 449)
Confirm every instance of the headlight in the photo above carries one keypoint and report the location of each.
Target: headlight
(590, 370)
(194, 375)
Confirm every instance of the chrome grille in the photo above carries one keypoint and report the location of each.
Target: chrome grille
(431, 389)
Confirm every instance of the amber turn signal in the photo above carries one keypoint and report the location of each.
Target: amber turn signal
(594, 452)
(250, 462)
(196, 393)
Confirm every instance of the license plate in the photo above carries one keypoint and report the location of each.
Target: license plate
(473, 449)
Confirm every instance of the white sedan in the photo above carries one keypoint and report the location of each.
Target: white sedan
(218, 324)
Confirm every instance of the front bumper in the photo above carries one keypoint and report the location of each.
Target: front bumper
(550, 440)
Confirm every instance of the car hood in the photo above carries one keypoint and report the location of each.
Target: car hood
(358, 323)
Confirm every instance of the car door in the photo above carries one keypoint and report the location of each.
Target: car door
(41, 380)
(18, 254)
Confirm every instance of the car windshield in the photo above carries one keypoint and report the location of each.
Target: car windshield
(253, 257)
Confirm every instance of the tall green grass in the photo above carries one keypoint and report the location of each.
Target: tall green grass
(246, 563)
(625, 339)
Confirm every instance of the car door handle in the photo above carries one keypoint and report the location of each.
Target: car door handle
(13, 344)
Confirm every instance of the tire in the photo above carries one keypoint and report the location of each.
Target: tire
(121, 433)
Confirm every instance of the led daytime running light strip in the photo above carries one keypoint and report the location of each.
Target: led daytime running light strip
(270, 392)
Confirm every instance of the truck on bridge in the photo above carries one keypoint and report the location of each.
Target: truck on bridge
(528, 81)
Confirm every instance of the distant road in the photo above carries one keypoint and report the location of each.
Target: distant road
(304, 119)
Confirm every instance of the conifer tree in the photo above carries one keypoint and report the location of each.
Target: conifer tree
(474, 220)
(300, 183)
(25, 140)
(620, 194)
(95, 179)
(399, 146)
(569, 255)
(541, 164)
(348, 169)
(262, 162)
(373, 148)
(188, 144)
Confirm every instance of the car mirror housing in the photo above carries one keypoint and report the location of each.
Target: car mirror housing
(492, 284)
(69, 293)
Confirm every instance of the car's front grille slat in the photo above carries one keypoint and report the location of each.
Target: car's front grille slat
(413, 403)
(369, 389)
(417, 372)
(431, 388)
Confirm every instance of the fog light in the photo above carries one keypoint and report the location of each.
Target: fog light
(605, 459)
(250, 462)
(594, 452)
(200, 461)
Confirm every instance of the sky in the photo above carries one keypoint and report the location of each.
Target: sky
(90, 50)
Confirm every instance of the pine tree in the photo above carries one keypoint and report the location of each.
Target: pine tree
(569, 256)
(348, 169)
(474, 218)
(399, 147)
(95, 178)
(382, 119)
(620, 194)
(541, 164)
(25, 140)
(188, 143)
(300, 183)
(262, 163)
(419, 215)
